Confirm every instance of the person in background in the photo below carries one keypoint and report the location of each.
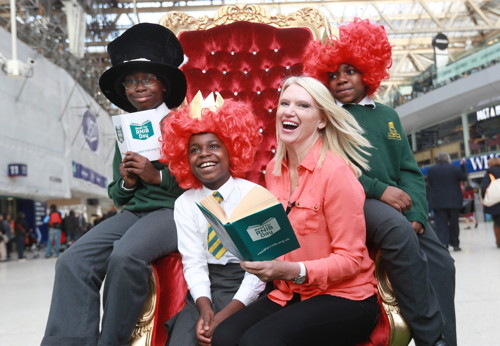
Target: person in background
(21, 230)
(494, 210)
(445, 198)
(7, 224)
(145, 76)
(325, 291)
(468, 194)
(71, 227)
(420, 269)
(82, 225)
(4, 239)
(55, 224)
(209, 150)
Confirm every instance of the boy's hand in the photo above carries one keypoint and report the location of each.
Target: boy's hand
(205, 321)
(417, 227)
(396, 198)
(272, 270)
(130, 180)
(141, 167)
(231, 308)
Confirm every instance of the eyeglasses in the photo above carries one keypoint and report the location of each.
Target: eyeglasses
(150, 80)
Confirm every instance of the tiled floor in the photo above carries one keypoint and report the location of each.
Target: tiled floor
(25, 291)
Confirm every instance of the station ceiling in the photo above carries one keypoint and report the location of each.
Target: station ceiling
(411, 26)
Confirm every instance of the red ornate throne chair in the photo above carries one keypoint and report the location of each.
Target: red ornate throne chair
(243, 53)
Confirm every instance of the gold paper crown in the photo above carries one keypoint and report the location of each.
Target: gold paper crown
(198, 103)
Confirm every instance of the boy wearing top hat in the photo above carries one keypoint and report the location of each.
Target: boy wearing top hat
(144, 75)
(421, 271)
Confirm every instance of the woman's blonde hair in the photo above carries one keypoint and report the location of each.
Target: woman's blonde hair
(342, 134)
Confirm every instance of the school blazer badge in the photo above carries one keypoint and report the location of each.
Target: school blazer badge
(393, 133)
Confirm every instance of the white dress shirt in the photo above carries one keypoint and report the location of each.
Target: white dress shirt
(192, 233)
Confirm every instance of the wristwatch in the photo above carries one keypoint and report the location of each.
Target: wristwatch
(302, 275)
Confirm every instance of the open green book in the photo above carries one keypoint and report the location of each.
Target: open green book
(257, 230)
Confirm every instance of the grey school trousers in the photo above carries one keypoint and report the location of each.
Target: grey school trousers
(119, 249)
(421, 271)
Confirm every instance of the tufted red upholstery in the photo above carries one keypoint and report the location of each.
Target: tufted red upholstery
(245, 61)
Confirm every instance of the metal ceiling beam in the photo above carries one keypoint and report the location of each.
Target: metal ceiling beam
(410, 24)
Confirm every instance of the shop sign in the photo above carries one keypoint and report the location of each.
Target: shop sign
(488, 112)
(17, 170)
(480, 162)
(473, 164)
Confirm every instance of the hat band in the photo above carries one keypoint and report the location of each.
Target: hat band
(140, 59)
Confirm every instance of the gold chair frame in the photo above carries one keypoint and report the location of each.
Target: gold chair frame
(311, 18)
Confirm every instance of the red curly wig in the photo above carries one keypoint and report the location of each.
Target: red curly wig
(361, 44)
(233, 123)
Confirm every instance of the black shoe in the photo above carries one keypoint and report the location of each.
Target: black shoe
(457, 248)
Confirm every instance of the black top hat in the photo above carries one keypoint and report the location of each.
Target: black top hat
(146, 47)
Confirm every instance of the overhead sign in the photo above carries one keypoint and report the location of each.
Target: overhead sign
(482, 57)
(17, 170)
(440, 41)
(85, 173)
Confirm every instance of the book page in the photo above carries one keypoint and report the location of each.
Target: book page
(211, 204)
(257, 199)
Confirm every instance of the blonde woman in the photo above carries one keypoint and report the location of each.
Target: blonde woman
(325, 290)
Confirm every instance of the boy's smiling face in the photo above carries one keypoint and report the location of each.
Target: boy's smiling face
(209, 160)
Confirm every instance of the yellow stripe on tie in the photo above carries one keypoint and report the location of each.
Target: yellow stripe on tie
(211, 234)
(215, 247)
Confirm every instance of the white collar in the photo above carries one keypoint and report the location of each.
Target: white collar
(225, 190)
(366, 101)
(162, 109)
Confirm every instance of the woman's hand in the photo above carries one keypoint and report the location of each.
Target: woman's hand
(272, 270)
(396, 198)
(136, 166)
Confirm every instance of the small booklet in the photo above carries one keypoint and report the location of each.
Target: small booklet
(257, 230)
(139, 132)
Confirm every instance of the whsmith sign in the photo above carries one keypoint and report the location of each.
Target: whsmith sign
(473, 164)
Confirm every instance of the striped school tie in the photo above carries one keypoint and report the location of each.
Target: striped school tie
(214, 245)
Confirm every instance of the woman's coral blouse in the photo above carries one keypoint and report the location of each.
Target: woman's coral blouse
(329, 223)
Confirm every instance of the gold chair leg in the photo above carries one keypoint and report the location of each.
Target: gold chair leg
(400, 334)
(143, 332)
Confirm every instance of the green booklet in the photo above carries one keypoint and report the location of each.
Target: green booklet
(258, 229)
